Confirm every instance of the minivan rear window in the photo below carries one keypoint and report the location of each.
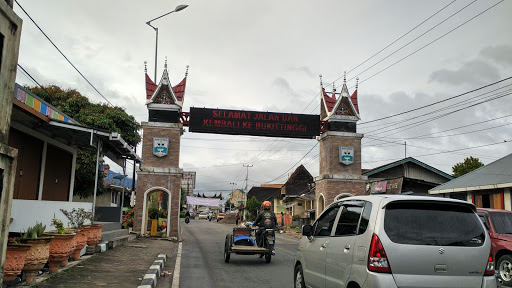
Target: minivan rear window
(432, 223)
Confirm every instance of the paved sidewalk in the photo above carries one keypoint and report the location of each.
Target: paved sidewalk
(123, 266)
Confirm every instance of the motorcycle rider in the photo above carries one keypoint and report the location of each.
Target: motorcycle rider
(187, 216)
(265, 220)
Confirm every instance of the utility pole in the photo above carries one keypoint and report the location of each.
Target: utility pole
(246, 184)
(231, 196)
(247, 175)
(405, 144)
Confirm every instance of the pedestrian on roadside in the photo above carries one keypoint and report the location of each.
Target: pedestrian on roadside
(237, 217)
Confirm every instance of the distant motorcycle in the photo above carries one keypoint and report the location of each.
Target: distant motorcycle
(187, 219)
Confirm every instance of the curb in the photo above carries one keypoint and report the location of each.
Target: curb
(176, 276)
(154, 272)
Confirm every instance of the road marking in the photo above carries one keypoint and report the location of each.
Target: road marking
(176, 276)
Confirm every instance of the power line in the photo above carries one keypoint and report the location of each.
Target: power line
(455, 150)
(421, 35)
(464, 126)
(293, 165)
(62, 53)
(429, 120)
(426, 148)
(437, 102)
(371, 57)
(403, 36)
(428, 44)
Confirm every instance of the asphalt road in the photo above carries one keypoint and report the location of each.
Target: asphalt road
(202, 262)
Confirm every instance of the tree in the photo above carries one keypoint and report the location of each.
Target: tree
(252, 207)
(467, 166)
(91, 115)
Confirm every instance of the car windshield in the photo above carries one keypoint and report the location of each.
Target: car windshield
(502, 222)
(433, 223)
(204, 213)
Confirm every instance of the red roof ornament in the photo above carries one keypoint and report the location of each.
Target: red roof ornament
(354, 100)
(354, 96)
(329, 101)
(179, 90)
(150, 87)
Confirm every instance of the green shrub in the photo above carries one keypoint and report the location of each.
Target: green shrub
(34, 232)
(162, 214)
(153, 213)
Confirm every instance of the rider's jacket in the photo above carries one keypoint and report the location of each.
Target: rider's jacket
(266, 219)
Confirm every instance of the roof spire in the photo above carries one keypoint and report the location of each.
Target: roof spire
(321, 85)
(165, 65)
(357, 82)
(186, 72)
(333, 88)
(345, 77)
(145, 66)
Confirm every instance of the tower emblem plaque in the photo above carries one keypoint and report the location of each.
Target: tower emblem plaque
(346, 155)
(160, 146)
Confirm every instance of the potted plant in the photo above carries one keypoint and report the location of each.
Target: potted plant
(39, 252)
(128, 219)
(14, 259)
(61, 246)
(77, 218)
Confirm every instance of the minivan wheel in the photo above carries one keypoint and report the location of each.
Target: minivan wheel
(299, 278)
(505, 269)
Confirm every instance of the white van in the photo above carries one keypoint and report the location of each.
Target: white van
(395, 241)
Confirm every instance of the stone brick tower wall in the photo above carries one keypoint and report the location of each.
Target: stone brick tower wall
(335, 178)
(159, 173)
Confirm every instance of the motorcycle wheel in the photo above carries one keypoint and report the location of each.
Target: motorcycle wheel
(268, 257)
(227, 245)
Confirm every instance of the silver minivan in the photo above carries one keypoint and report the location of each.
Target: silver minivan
(395, 241)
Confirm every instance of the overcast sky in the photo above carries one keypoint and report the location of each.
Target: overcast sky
(268, 55)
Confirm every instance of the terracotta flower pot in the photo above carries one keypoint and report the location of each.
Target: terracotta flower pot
(60, 248)
(90, 234)
(80, 241)
(37, 256)
(97, 230)
(14, 261)
(93, 233)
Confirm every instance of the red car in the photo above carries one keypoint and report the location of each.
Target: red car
(499, 224)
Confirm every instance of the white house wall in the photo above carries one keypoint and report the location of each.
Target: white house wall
(26, 213)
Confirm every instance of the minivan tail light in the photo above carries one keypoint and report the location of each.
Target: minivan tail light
(377, 258)
(489, 269)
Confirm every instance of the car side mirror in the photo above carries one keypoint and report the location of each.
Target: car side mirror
(307, 230)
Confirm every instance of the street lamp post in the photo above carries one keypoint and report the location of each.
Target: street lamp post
(177, 9)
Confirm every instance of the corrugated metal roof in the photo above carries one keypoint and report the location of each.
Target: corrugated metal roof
(491, 175)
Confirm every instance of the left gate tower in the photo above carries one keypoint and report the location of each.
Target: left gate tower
(159, 171)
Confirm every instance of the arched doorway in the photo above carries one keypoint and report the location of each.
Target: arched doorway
(320, 205)
(157, 203)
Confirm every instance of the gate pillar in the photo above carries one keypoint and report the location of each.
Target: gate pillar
(159, 170)
(340, 148)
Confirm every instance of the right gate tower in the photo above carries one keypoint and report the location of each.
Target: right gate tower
(340, 147)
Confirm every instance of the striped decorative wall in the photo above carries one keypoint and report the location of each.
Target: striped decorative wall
(39, 105)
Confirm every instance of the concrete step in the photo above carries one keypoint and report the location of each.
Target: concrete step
(109, 226)
(121, 240)
(106, 236)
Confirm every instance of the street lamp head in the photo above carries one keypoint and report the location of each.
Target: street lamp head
(180, 7)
